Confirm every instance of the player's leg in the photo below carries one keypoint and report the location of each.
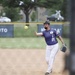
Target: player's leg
(52, 57)
(48, 52)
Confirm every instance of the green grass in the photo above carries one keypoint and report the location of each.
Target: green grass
(26, 38)
(23, 43)
(19, 30)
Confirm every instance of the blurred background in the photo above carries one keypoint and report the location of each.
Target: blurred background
(33, 13)
(18, 41)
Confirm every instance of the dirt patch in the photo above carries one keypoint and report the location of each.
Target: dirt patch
(28, 61)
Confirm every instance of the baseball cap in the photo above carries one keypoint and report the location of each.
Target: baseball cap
(47, 22)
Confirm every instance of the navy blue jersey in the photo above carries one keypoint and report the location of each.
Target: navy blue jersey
(50, 37)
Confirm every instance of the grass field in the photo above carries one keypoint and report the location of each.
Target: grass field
(25, 43)
(26, 38)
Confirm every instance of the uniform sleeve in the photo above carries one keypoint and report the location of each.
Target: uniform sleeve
(56, 33)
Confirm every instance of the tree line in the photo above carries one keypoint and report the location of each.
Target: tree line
(12, 7)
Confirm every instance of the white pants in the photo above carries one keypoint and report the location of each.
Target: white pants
(51, 51)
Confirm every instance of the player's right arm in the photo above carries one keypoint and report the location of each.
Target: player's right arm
(38, 34)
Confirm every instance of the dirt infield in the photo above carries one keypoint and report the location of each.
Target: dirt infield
(28, 62)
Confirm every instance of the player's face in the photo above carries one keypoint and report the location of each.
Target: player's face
(46, 26)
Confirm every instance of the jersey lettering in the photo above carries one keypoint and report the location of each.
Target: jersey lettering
(53, 39)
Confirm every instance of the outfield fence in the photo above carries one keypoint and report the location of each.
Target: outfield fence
(19, 30)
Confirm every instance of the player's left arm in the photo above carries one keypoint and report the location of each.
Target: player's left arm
(64, 47)
(61, 39)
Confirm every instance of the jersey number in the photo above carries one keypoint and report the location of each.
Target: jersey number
(53, 39)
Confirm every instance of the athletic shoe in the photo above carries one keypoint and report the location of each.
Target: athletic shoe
(47, 73)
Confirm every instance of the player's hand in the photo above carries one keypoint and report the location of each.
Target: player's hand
(38, 34)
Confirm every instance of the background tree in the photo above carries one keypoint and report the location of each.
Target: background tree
(33, 16)
(28, 5)
(12, 13)
(64, 9)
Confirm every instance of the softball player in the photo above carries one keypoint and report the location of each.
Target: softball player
(52, 47)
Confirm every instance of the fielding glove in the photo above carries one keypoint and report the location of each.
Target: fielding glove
(64, 48)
